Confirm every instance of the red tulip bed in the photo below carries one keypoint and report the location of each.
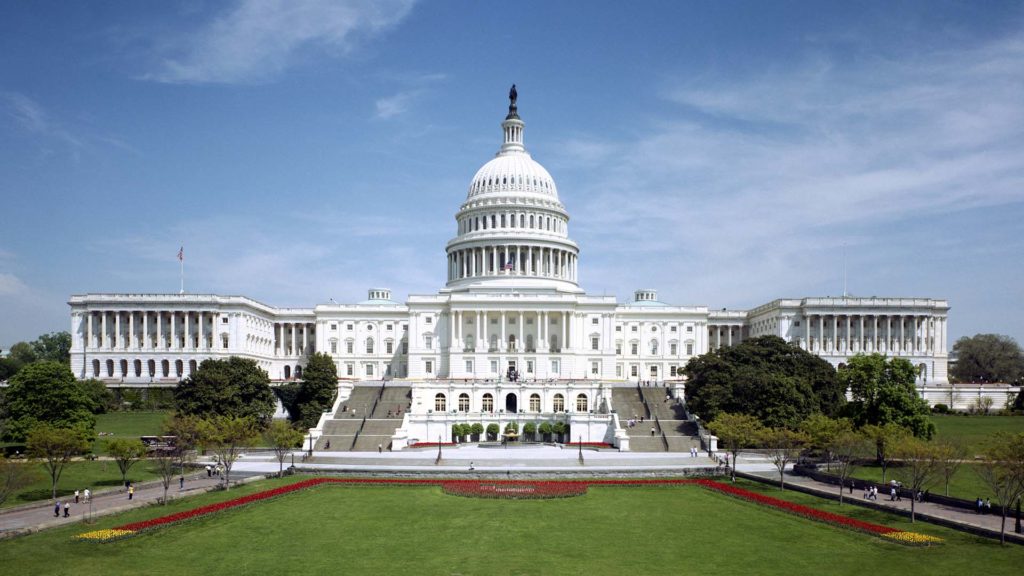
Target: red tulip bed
(516, 490)
(589, 444)
(431, 444)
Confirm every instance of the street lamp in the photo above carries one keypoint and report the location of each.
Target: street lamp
(438, 461)
(581, 449)
(310, 444)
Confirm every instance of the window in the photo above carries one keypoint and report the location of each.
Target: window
(488, 402)
(654, 347)
(224, 342)
(673, 370)
(429, 319)
(224, 320)
(559, 403)
(595, 343)
(440, 403)
(405, 347)
(595, 368)
(618, 347)
(349, 327)
(428, 341)
(529, 366)
(675, 328)
(673, 349)
(463, 402)
(634, 370)
(581, 403)
(633, 328)
(594, 321)
(554, 367)
(369, 369)
(634, 348)
(618, 328)
(348, 369)
(389, 347)
(334, 326)
(334, 346)
(369, 345)
(349, 346)
(534, 402)
(389, 327)
(689, 349)
(494, 366)
(618, 370)
(469, 366)
(689, 329)
(428, 366)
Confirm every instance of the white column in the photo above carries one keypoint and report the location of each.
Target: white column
(117, 341)
(160, 331)
(529, 261)
(295, 340)
(90, 332)
(565, 330)
(174, 337)
(849, 339)
(305, 337)
(130, 342)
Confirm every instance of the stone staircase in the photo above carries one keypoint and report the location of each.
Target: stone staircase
(672, 432)
(368, 418)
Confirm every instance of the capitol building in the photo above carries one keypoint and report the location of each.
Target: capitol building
(512, 332)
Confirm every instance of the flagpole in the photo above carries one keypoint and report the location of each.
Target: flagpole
(181, 261)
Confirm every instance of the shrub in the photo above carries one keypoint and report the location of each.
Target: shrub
(940, 409)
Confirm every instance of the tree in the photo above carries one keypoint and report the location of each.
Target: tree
(822, 432)
(1003, 472)
(46, 392)
(22, 353)
(546, 430)
(847, 448)
(187, 434)
(782, 446)
(988, 358)
(883, 392)
(231, 387)
(165, 462)
(529, 430)
(317, 390)
(884, 437)
(477, 429)
(55, 447)
(101, 397)
(921, 466)
(951, 455)
(736, 432)
(226, 436)
(766, 377)
(13, 477)
(283, 438)
(492, 431)
(55, 346)
(126, 453)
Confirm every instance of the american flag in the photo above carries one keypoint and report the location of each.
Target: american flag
(181, 254)
(509, 265)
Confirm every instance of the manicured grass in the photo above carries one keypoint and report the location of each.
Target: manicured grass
(974, 431)
(129, 425)
(79, 475)
(419, 530)
(965, 483)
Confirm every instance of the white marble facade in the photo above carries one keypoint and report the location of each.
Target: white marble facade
(511, 301)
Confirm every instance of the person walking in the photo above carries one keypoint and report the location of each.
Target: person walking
(67, 509)
(76, 496)
(56, 509)
(181, 483)
(88, 495)
(131, 491)
(652, 431)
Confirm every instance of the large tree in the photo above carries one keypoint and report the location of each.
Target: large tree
(227, 436)
(988, 358)
(46, 392)
(230, 387)
(765, 377)
(317, 390)
(55, 346)
(883, 392)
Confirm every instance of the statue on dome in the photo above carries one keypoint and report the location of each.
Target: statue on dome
(512, 97)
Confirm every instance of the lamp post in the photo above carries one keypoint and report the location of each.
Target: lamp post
(438, 461)
(310, 444)
(581, 449)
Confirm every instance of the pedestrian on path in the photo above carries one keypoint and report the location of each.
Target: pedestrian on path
(76, 496)
(209, 471)
(131, 492)
(181, 483)
(380, 448)
(88, 495)
(56, 509)
(67, 509)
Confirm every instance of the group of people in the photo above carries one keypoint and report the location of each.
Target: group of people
(983, 506)
(217, 469)
(65, 506)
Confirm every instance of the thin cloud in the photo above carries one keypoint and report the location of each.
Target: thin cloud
(257, 40)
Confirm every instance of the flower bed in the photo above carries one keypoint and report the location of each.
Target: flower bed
(431, 444)
(516, 490)
(589, 444)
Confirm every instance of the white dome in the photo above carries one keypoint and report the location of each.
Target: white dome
(513, 172)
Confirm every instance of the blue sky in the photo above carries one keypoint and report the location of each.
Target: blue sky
(725, 153)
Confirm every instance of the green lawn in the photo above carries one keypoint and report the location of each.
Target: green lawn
(127, 425)
(94, 475)
(974, 430)
(419, 530)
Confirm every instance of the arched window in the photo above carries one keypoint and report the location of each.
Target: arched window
(534, 402)
(529, 343)
(124, 368)
(298, 371)
(559, 403)
(110, 368)
(152, 368)
(191, 367)
(96, 368)
(137, 368)
(165, 368)
(581, 403)
(440, 403)
(287, 372)
(369, 345)
(179, 367)
(463, 402)
(488, 402)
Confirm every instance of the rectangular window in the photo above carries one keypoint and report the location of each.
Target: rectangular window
(618, 370)
(334, 347)
(224, 320)
(618, 347)
(224, 342)
(348, 346)
(494, 366)
(349, 327)
(672, 370)
(389, 346)
(529, 366)
(389, 327)
(428, 367)
(429, 320)
(554, 367)
(405, 347)
(689, 329)
(675, 328)
(369, 369)
(594, 321)
(348, 369)
(469, 366)
(633, 328)
(618, 328)
(634, 371)
(633, 348)
(595, 368)
(429, 342)
(594, 342)
(334, 326)
(689, 349)
(673, 349)
(796, 323)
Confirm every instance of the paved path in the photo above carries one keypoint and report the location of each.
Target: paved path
(40, 515)
(924, 510)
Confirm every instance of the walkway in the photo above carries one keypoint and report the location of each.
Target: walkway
(38, 516)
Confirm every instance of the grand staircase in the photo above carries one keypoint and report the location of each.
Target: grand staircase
(672, 431)
(367, 419)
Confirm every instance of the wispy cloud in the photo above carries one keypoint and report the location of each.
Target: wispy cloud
(759, 180)
(417, 86)
(257, 39)
(11, 285)
(32, 118)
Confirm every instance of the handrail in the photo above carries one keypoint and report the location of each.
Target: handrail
(358, 432)
(664, 440)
